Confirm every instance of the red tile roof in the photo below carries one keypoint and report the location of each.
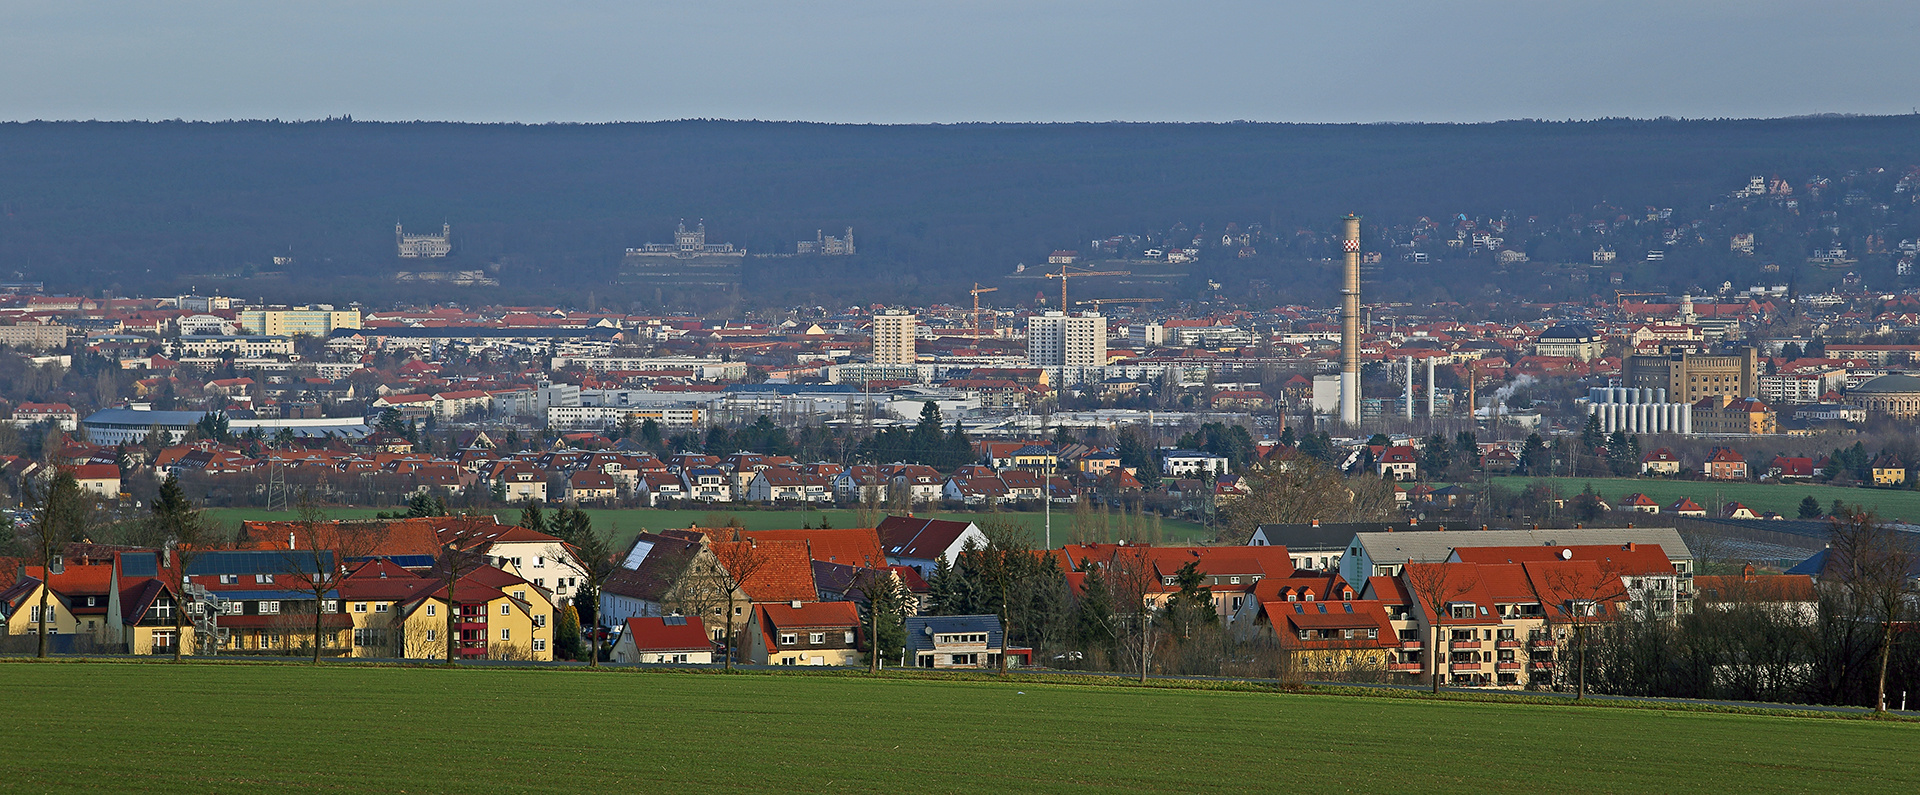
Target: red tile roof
(655, 634)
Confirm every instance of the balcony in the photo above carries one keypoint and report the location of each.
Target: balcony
(1540, 643)
(1541, 665)
(1506, 665)
(1464, 645)
(1464, 668)
(1508, 643)
(1410, 668)
(1411, 645)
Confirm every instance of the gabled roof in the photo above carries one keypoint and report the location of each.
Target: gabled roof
(666, 634)
(651, 567)
(852, 546)
(784, 573)
(809, 615)
(919, 539)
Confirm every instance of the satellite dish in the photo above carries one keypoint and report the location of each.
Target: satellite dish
(1566, 554)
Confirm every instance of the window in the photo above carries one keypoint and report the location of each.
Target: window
(269, 608)
(359, 607)
(539, 645)
(816, 638)
(788, 639)
(330, 606)
(1233, 580)
(380, 607)
(263, 579)
(849, 637)
(516, 563)
(233, 608)
(506, 634)
(1305, 634)
(229, 579)
(540, 561)
(1309, 596)
(433, 609)
(540, 621)
(539, 582)
(506, 610)
(1373, 633)
(520, 595)
(433, 634)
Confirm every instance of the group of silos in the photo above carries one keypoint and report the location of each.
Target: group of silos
(1638, 410)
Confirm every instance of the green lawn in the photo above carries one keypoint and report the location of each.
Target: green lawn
(1761, 497)
(622, 524)
(252, 728)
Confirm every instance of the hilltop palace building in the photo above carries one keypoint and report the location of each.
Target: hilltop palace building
(688, 262)
(423, 246)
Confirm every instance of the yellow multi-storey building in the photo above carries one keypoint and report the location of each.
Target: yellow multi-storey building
(312, 322)
(497, 616)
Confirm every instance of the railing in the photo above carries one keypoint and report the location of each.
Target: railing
(1507, 665)
(1541, 665)
(1412, 645)
(1460, 645)
(1507, 643)
(1541, 643)
(1464, 668)
(1405, 667)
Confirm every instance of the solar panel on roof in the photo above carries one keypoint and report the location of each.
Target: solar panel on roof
(674, 621)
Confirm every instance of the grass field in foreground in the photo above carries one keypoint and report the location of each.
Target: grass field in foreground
(215, 728)
(1781, 498)
(622, 523)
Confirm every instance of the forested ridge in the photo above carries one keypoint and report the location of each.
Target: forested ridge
(133, 207)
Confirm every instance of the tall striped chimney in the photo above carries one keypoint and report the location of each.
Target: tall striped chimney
(1350, 327)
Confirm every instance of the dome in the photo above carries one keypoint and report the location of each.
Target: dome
(1886, 384)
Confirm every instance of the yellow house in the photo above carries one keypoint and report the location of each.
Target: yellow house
(372, 598)
(1889, 470)
(498, 616)
(20, 614)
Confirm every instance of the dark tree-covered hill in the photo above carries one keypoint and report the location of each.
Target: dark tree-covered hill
(152, 207)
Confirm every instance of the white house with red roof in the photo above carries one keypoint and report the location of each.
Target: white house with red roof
(1686, 507)
(1640, 503)
(1660, 462)
(1399, 460)
(59, 414)
(663, 640)
(917, 543)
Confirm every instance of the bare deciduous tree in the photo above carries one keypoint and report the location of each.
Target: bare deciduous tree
(1872, 567)
(316, 555)
(1435, 585)
(738, 563)
(1300, 489)
(1129, 579)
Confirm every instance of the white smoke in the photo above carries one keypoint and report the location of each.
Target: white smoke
(1501, 395)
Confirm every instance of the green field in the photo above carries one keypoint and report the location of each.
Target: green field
(247, 728)
(622, 524)
(1761, 497)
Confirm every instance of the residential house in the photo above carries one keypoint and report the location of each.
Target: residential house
(1686, 507)
(1724, 463)
(591, 486)
(784, 484)
(1660, 462)
(1889, 470)
(663, 640)
(99, 480)
(1192, 464)
(706, 484)
(922, 484)
(917, 543)
(959, 642)
(496, 615)
(804, 633)
(1399, 461)
(1640, 503)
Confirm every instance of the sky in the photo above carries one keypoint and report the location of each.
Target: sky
(914, 61)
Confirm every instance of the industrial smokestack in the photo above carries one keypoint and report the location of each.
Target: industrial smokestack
(1409, 396)
(1350, 327)
(1429, 387)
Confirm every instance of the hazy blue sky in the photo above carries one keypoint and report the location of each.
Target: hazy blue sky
(961, 60)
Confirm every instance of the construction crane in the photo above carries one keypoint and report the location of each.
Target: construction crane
(977, 290)
(1069, 272)
(1097, 302)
